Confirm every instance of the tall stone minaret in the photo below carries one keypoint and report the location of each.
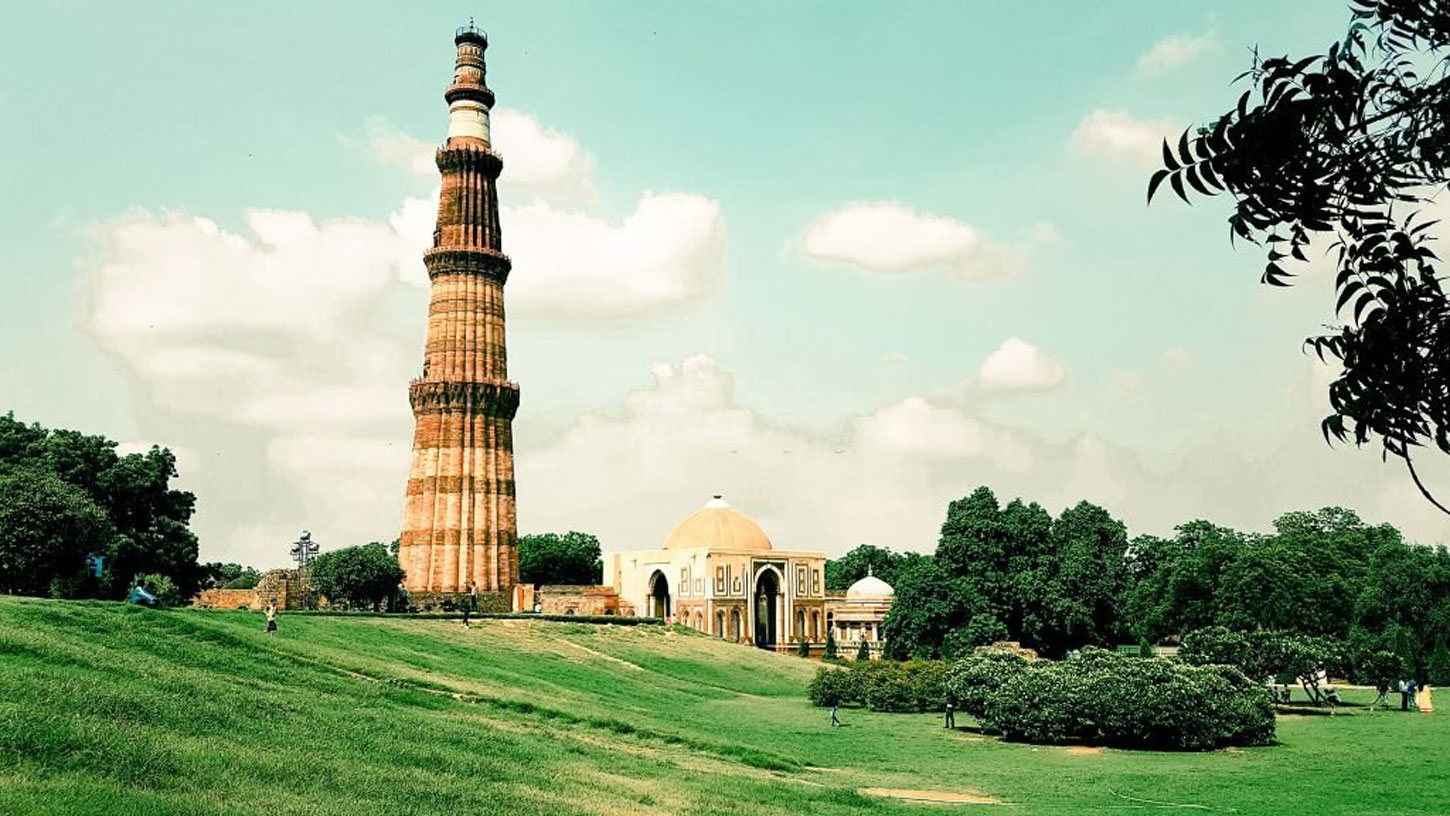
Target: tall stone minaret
(459, 518)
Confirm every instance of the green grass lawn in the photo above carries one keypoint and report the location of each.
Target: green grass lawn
(119, 710)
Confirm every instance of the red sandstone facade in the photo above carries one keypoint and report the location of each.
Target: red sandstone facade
(458, 522)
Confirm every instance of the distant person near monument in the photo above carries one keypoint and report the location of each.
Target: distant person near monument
(272, 617)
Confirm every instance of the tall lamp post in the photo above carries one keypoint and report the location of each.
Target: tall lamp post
(304, 550)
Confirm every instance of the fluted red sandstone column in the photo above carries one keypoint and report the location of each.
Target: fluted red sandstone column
(458, 521)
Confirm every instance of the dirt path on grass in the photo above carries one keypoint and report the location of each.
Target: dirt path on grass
(937, 797)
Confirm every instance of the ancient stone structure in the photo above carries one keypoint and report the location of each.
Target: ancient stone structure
(458, 523)
(719, 573)
(561, 599)
(856, 617)
(287, 588)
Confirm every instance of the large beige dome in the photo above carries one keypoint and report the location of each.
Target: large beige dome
(717, 527)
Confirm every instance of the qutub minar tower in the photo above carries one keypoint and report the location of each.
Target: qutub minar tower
(459, 524)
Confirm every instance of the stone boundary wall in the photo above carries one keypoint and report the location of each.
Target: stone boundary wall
(228, 599)
(563, 599)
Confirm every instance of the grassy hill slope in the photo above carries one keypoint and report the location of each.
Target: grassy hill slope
(117, 710)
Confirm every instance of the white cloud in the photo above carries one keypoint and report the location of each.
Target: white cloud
(282, 348)
(1019, 365)
(670, 250)
(539, 159)
(400, 149)
(1116, 135)
(630, 475)
(1176, 51)
(890, 237)
(272, 350)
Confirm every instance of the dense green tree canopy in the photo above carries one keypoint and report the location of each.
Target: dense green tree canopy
(550, 558)
(358, 576)
(150, 518)
(1014, 572)
(842, 572)
(47, 528)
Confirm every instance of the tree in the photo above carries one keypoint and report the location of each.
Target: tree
(1003, 557)
(865, 559)
(359, 576)
(983, 629)
(1438, 671)
(150, 518)
(863, 651)
(550, 558)
(1087, 580)
(47, 528)
(1177, 580)
(1347, 148)
(830, 651)
(215, 574)
(929, 603)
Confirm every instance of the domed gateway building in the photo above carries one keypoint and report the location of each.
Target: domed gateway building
(719, 573)
(857, 618)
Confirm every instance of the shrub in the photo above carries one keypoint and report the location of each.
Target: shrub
(162, 587)
(1116, 699)
(888, 688)
(830, 651)
(863, 652)
(971, 680)
(1041, 704)
(882, 685)
(803, 649)
(833, 686)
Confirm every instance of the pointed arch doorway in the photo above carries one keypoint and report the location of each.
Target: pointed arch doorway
(766, 607)
(659, 596)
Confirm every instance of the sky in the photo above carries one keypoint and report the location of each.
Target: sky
(840, 262)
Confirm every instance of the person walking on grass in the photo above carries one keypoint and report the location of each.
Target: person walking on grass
(469, 601)
(1383, 700)
(834, 720)
(951, 717)
(272, 617)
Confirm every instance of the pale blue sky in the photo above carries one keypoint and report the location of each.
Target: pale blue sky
(779, 113)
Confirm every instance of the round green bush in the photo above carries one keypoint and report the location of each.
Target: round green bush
(971, 680)
(1040, 704)
(1114, 699)
(830, 687)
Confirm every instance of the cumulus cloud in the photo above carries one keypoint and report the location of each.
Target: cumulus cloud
(670, 250)
(282, 345)
(886, 477)
(272, 350)
(1019, 365)
(1176, 51)
(1116, 135)
(539, 159)
(630, 474)
(893, 238)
